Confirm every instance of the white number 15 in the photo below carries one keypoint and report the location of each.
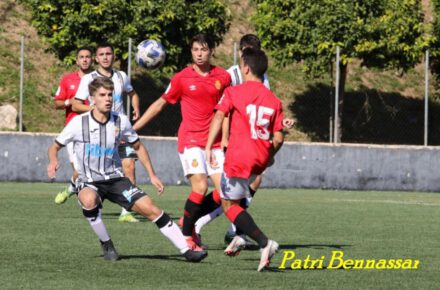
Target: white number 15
(261, 121)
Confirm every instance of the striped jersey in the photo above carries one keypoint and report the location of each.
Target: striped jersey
(237, 78)
(96, 145)
(122, 88)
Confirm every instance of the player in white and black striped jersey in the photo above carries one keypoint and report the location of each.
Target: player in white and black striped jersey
(105, 59)
(96, 136)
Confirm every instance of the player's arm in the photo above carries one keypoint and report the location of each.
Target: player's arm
(225, 133)
(150, 113)
(214, 130)
(145, 160)
(53, 165)
(60, 100)
(82, 94)
(135, 104)
(79, 106)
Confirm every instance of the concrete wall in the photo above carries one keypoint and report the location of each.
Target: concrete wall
(23, 157)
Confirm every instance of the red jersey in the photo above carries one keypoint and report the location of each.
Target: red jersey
(68, 86)
(198, 95)
(255, 114)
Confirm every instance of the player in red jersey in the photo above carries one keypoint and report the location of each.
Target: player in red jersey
(198, 88)
(63, 101)
(256, 135)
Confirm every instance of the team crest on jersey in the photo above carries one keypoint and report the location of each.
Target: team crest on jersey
(192, 87)
(194, 163)
(218, 84)
(72, 87)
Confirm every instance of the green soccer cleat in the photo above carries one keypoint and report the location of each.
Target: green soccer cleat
(62, 196)
(128, 218)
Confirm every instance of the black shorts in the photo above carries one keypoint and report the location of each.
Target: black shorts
(118, 190)
(126, 150)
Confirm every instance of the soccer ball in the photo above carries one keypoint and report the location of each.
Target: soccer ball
(150, 54)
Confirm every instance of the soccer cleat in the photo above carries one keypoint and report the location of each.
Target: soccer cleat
(234, 248)
(195, 256)
(62, 196)
(128, 218)
(109, 251)
(267, 254)
(192, 245)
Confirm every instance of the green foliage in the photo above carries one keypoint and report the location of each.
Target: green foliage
(68, 24)
(386, 34)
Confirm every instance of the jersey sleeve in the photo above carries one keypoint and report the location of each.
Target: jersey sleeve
(61, 93)
(235, 74)
(83, 90)
(127, 132)
(69, 132)
(128, 88)
(266, 81)
(278, 119)
(225, 104)
(173, 92)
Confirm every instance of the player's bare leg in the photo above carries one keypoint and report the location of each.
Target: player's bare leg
(128, 166)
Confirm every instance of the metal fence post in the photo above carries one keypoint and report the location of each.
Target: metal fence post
(20, 115)
(129, 77)
(336, 123)
(426, 97)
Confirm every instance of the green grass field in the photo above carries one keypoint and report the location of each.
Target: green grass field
(45, 246)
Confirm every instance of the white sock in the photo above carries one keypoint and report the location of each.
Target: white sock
(98, 227)
(124, 211)
(206, 219)
(170, 230)
(72, 187)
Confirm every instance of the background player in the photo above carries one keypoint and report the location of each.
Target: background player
(96, 136)
(105, 58)
(198, 88)
(255, 137)
(63, 101)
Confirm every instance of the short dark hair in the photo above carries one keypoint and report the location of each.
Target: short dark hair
(250, 40)
(203, 39)
(84, 48)
(100, 82)
(256, 59)
(104, 44)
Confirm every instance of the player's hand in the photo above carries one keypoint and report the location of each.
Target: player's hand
(51, 169)
(158, 184)
(136, 115)
(288, 123)
(224, 144)
(210, 158)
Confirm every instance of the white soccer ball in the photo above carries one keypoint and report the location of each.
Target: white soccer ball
(150, 54)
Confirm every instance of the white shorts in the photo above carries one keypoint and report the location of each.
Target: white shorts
(194, 161)
(70, 152)
(234, 188)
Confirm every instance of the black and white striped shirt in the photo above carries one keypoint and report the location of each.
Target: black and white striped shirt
(237, 78)
(96, 145)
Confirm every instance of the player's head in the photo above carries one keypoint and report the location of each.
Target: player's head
(250, 40)
(254, 60)
(84, 58)
(202, 47)
(105, 55)
(101, 93)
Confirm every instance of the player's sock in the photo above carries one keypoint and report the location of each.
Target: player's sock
(243, 221)
(170, 230)
(210, 202)
(206, 219)
(93, 216)
(124, 211)
(252, 192)
(72, 187)
(192, 211)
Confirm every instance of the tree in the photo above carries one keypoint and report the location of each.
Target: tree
(68, 24)
(382, 33)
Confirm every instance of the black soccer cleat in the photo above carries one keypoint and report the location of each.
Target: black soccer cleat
(195, 256)
(109, 251)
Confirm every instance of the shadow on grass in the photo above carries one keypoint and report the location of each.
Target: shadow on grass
(179, 258)
(368, 116)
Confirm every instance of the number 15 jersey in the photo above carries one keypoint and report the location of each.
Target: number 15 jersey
(255, 114)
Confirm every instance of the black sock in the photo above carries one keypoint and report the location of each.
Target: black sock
(209, 204)
(246, 225)
(251, 191)
(192, 213)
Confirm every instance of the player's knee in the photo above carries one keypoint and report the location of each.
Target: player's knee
(91, 213)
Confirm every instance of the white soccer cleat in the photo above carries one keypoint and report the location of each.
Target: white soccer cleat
(234, 248)
(267, 254)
